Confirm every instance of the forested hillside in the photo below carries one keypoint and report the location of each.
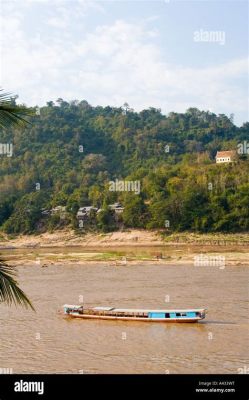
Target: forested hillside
(71, 151)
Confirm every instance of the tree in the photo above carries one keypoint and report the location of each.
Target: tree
(93, 163)
(11, 115)
(9, 289)
(106, 220)
(134, 214)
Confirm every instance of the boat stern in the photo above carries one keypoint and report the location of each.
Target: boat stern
(69, 309)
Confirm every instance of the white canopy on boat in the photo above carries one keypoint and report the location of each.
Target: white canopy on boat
(71, 306)
(155, 311)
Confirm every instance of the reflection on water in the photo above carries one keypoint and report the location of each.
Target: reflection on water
(47, 342)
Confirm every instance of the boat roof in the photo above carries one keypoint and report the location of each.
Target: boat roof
(136, 310)
(72, 306)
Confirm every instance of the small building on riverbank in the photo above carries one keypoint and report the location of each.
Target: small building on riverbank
(85, 212)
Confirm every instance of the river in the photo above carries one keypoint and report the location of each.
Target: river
(47, 342)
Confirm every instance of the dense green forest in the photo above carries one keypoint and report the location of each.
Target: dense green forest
(71, 151)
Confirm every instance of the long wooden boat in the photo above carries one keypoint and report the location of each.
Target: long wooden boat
(110, 313)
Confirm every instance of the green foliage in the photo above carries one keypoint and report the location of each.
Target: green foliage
(26, 213)
(10, 113)
(72, 150)
(134, 214)
(106, 220)
(10, 292)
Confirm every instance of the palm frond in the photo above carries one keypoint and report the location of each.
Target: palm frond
(12, 114)
(9, 289)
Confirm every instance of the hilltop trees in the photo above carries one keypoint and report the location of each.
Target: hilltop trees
(72, 150)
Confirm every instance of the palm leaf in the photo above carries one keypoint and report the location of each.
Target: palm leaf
(9, 289)
(12, 114)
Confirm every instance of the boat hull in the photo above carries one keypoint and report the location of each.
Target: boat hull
(161, 320)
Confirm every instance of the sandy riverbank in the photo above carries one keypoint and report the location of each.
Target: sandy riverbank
(68, 238)
(134, 237)
(124, 248)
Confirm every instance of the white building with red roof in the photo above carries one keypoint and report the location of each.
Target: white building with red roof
(226, 156)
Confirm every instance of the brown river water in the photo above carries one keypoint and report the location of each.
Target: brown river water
(47, 342)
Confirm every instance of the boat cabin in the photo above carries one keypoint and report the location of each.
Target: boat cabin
(138, 314)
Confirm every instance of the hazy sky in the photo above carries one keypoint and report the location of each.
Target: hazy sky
(166, 54)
